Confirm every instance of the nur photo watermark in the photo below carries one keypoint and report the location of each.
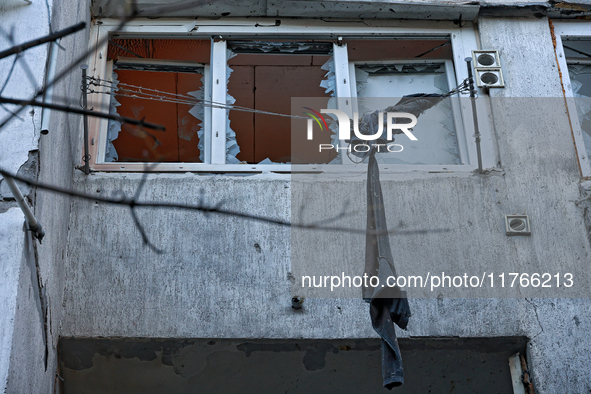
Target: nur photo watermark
(367, 136)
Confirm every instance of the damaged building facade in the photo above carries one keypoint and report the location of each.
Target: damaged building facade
(214, 305)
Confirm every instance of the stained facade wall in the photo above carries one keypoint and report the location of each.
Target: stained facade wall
(213, 282)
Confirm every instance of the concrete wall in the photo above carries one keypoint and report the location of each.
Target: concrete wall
(561, 322)
(59, 153)
(379, 9)
(31, 369)
(32, 286)
(213, 282)
(22, 354)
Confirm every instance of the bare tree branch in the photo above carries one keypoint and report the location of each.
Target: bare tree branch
(130, 202)
(124, 21)
(119, 198)
(79, 111)
(145, 238)
(42, 40)
(6, 84)
(21, 59)
(136, 220)
(65, 72)
(9, 75)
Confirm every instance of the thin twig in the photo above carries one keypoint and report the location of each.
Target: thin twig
(145, 238)
(576, 50)
(21, 59)
(136, 220)
(123, 119)
(6, 84)
(9, 75)
(133, 202)
(62, 74)
(433, 49)
(124, 21)
(125, 201)
(12, 67)
(43, 40)
(125, 49)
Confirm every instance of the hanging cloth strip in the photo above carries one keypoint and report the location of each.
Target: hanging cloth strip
(388, 305)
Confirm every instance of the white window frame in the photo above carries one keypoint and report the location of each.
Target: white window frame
(101, 135)
(566, 30)
(455, 102)
(463, 41)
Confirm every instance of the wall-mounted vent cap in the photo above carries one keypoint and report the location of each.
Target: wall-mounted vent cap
(486, 59)
(487, 67)
(517, 225)
(489, 79)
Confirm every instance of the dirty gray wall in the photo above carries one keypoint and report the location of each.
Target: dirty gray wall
(59, 153)
(213, 282)
(13, 260)
(32, 288)
(374, 9)
(562, 323)
(22, 346)
(28, 357)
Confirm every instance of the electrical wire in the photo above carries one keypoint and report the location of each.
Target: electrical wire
(139, 92)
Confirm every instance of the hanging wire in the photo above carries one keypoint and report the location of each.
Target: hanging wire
(463, 88)
(158, 95)
(140, 92)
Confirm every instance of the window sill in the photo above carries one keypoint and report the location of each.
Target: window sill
(280, 168)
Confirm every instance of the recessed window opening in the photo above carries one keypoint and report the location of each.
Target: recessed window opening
(228, 103)
(265, 75)
(161, 81)
(578, 57)
(385, 71)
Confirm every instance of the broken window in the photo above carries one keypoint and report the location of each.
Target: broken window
(155, 85)
(226, 101)
(573, 55)
(385, 71)
(265, 76)
(262, 77)
(578, 56)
